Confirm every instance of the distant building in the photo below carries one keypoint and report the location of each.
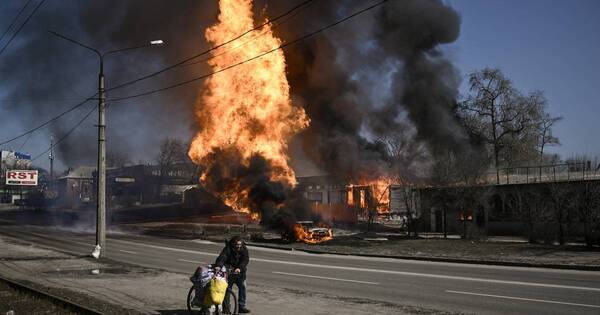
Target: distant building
(144, 184)
(324, 189)
(76, 188)
(328, 196)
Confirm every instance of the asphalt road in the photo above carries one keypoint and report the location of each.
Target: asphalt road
(479, 289)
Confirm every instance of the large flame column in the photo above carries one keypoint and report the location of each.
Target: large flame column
(247, 108)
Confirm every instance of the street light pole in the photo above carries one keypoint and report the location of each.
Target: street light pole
(100, 250)
(101, 195)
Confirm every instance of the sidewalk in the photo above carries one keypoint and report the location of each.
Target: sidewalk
(128, 289)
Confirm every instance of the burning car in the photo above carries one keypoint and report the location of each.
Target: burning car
(309, 232)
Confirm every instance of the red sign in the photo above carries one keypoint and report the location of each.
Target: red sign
(22, 178)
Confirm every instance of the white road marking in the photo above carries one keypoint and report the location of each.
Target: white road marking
(204, 242)
(326, 278)
(167, 248)
(522, 299)
(533, 284)
(128, 252)
(192, 261)
(393, 272)
(406, 261)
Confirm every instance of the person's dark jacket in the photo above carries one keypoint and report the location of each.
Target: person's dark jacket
(232, 258)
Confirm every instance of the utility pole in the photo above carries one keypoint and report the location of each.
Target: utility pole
(100, 250)
(51, 157)
(101, 213)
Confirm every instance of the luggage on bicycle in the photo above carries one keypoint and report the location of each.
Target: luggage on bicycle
(214, 293)
(202, 276)
(200, 279)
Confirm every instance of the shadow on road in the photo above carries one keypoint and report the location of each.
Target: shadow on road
(173, 312)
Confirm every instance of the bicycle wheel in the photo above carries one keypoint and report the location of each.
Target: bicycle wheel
(230, 303)
(193, 309)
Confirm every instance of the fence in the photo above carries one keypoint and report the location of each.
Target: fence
(543, 173)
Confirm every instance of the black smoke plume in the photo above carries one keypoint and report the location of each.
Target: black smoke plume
(42, 75)
(368, 77)
(358, 82)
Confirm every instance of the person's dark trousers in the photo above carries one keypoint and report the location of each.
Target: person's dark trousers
(240, 281)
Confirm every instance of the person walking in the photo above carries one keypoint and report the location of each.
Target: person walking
(235, 257)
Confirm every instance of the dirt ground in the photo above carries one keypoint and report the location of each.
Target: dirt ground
(128, 289)
(22, 303)
(392, 243)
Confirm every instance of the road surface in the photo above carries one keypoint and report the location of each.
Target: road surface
(480, 289)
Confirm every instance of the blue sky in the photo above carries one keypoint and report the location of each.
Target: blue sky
(547, 45)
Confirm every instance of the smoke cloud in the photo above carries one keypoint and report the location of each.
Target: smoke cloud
(42, 75)
(369, 78)
(358, 82)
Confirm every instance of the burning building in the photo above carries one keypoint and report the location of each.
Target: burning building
(327, 93)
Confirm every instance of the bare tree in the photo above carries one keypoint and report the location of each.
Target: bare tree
(559, 200)
(458, 171)
(530, 205)
(495, 111)
(117, 159)
(587, 209)
(543, 127)
(407, 153)
(172, 151)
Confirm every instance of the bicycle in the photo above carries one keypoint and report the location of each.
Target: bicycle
(229, 302)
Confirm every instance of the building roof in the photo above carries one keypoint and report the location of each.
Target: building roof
(85, 172)
(320, 180)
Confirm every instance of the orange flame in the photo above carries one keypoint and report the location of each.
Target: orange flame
(309, 237)
(379, 189)
(246, 108)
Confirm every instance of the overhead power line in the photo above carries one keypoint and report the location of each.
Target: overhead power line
(21, 27)
(195, 79)
(250, 59)
(36, 100)
(49, 121)
(224, 52)
(14, 20)
(68, 133)
(210, 49)
(157, 72)
(24, 142)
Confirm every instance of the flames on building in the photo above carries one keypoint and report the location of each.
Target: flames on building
(371, 195)
(246, 117)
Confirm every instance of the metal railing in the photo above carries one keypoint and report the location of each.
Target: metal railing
(543, 173)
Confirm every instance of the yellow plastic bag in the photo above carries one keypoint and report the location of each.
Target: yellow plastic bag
(215, 292)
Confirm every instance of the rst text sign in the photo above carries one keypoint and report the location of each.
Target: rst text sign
(22, 178)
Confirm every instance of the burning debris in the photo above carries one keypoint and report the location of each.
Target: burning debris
(308, 232)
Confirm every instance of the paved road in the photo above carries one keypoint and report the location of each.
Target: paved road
(469, 288)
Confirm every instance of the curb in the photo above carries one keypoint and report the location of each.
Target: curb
(439, 259)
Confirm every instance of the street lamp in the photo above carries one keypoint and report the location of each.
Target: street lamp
(100, 250)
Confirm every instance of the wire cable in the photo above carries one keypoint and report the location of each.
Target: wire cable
(24, 142)
(210, 49)
(49, 121)
(157, 72)
(14, 20)
(68, 133)
(275, 25)
(250, 59)
(21, 27)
